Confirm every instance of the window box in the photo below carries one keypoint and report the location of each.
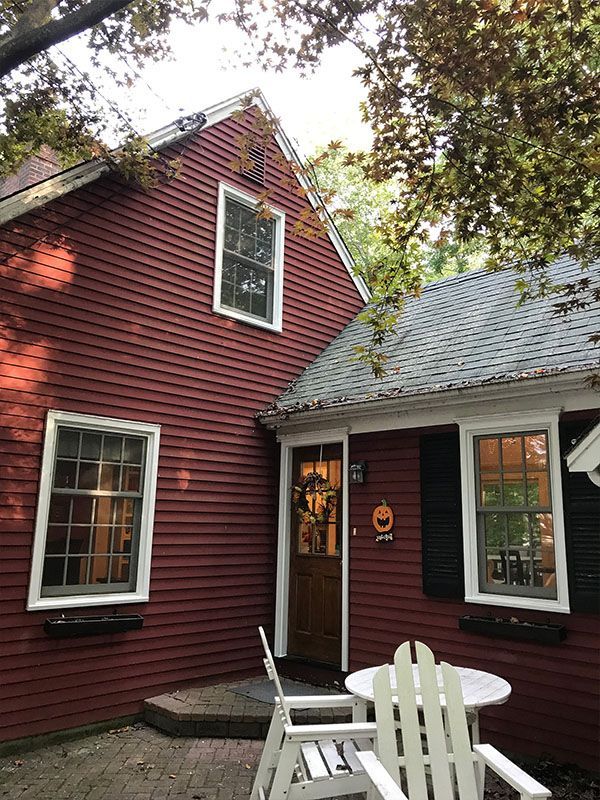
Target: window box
(546, 633)
(63, 627)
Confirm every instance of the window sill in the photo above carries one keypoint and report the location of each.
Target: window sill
(239, 317)
(86, 600)
(513, 601)
(69, 627)
(505, 629)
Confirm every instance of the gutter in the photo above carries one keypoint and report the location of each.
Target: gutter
(73, 178)
(505, 387)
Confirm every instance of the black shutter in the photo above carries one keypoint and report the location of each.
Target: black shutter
(581, 500)
(441, 516)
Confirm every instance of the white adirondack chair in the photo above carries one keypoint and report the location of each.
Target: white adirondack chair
(447, 765)
(310, 761)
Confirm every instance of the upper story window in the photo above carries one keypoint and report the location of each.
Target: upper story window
(512, 514)
(249, 260)
(95, 512)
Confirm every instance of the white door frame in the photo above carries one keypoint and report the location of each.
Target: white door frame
(288, 443)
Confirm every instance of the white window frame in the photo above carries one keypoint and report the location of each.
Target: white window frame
(230, 192)
(472, 427)
(106, 424)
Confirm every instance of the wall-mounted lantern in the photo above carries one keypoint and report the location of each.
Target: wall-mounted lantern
(357, 472)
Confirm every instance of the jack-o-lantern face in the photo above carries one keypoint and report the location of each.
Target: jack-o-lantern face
(383, 518)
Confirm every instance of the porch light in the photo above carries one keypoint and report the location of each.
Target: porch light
(357, 472)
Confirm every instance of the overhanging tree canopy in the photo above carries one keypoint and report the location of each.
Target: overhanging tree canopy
(47, 99)
(485, 112)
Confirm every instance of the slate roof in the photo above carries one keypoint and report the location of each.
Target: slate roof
(464, 331)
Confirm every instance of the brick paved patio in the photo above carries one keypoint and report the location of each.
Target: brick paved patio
(141, 763)
(134, 763)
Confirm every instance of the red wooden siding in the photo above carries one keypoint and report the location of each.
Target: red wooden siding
(112, 315)
(554, 703)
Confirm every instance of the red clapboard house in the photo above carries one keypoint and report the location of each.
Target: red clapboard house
(141, 334)
(146, 337)
(483, 442)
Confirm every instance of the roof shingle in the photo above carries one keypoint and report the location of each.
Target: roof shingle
(463, 331)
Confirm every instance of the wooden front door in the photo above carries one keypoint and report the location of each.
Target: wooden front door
(315, 593)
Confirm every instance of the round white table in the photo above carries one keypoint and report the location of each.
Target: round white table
(479, 689)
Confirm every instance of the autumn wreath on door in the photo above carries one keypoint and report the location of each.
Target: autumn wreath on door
(314, 498)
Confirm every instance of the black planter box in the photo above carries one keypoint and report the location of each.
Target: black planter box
(505, 629)
(61, 627)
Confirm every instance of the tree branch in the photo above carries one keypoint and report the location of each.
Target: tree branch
(21, 44)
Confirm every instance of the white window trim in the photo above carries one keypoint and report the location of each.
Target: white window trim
(225, 192)
(477, 426)
(141, 592)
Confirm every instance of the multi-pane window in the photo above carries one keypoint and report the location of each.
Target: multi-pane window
(94, 514)
(247, 273)
(515, 528)
(248, 278)
(94, 521)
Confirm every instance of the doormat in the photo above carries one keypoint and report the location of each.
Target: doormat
(264, 690)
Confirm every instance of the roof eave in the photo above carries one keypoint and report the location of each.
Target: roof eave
(501, 388)
(56, 186)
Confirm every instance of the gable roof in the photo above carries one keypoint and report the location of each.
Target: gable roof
(19, 203)
(463, 332)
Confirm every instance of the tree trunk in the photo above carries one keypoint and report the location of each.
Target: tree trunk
(31, 35)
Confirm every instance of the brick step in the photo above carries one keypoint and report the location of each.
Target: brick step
(217, 711)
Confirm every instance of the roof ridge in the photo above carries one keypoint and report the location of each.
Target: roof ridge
(480, 271)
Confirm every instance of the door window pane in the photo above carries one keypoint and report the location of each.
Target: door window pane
(321, 537)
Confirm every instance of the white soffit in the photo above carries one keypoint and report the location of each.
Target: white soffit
(58, 185)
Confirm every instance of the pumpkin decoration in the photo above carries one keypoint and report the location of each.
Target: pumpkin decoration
(383, 518)
(324, 494)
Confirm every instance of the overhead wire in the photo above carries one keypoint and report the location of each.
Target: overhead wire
(75, 69)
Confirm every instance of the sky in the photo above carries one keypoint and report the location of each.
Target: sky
(312, 110)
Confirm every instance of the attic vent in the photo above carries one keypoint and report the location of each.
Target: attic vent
(256, 154)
